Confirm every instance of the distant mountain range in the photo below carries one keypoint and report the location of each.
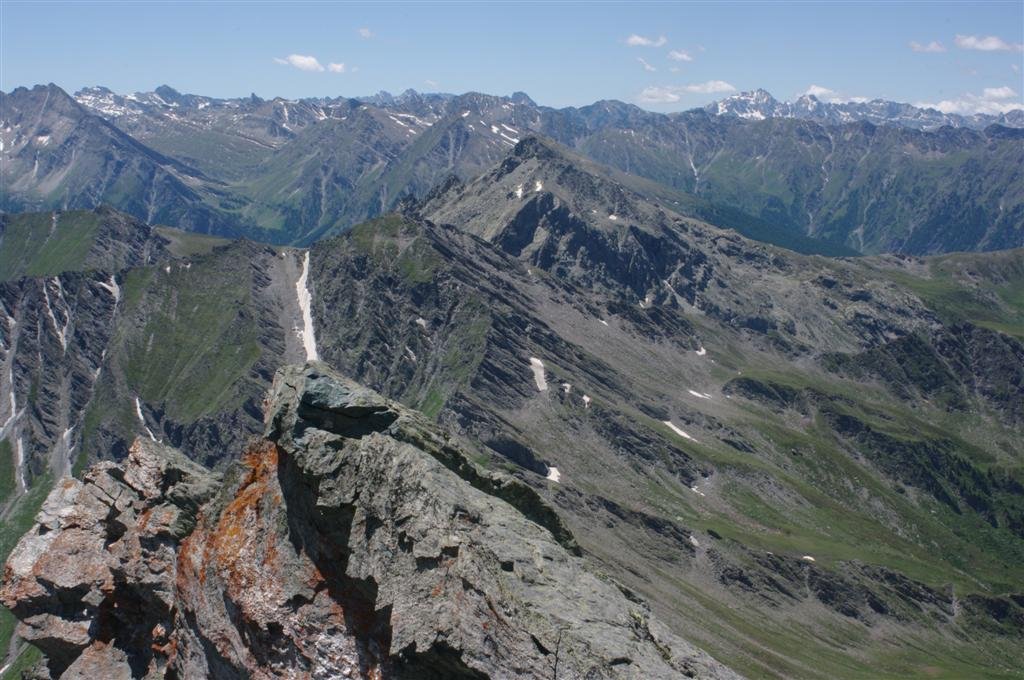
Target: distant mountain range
(293, 171)
(759, 105)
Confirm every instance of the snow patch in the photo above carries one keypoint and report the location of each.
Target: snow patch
(554, 475)
(807, 558)
(701, 352)
(43, 140)
(138, 412)
(586, 401)
(613, 218)
(603, 321)
(19, 463)
(699, 395)
(537, 366)
(697, 491)
(422, 322)
(694, 542)
(672, 426)
(566, 387)
(112, 288)
(519, 191)
(465, 114)
(308, 337)
(62, 332)
(538, 187)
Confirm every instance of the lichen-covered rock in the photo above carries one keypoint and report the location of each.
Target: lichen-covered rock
(355, 540)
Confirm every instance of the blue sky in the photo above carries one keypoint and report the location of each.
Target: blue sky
(662, 56)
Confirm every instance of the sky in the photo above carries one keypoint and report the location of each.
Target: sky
(664, 56)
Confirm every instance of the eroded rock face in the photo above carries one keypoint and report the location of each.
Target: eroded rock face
(93, 583)
(354, 540)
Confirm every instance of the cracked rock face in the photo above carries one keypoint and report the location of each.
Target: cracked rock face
(354, 540)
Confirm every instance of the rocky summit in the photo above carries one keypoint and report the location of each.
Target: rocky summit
(354, 539)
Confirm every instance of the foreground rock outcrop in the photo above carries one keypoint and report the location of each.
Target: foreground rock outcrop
(354, 540)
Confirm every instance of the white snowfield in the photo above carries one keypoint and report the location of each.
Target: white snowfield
(308, 337)
(672, 426)
(537, 366)
(554, 475)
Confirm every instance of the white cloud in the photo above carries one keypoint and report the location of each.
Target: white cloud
(820, 92)
(831, 96)
(336, 68)
(711, 87)
(430, 83)
(365, 33)
(647, 67)
(667, 94)
(660, 95)
(933, 46)
(1003, 92)
(987, 43)
(1016, 69)
(635, 40)
(301, 62)
(992, 101)
(680, 55)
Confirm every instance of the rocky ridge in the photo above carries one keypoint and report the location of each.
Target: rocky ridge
(354, 540)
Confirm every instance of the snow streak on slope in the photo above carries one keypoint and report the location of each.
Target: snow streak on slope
(678, 431)
(305, 299)
(138, 412)
(537, 366)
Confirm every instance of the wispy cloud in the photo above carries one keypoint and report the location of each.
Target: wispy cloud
(301, 62)
(933, 46)
(336, 68)
(827, 94)
(992, 101)
(365, 33)
(647, 67)
(987, 43)
(820, 92)
(430, 83)
(635, 40)
(680, 55)
(668, 94)
(711, 87)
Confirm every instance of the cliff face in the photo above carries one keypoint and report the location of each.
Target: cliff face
(353, 540)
